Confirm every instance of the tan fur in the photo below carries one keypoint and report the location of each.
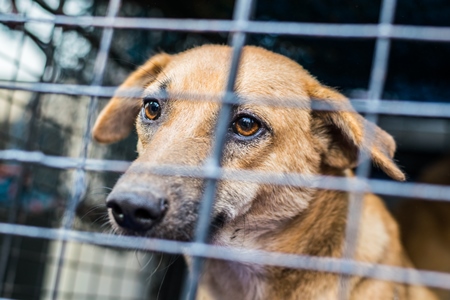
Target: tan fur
(109, 130)
(260, 216)
(425, 225)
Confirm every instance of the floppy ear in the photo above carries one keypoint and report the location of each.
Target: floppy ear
(344, 134)
(117, 119)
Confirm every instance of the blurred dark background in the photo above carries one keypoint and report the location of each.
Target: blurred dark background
(53, 124)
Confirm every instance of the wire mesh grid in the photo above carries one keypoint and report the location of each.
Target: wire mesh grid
(238, 28)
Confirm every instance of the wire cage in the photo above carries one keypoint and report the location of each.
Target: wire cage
(62, 62)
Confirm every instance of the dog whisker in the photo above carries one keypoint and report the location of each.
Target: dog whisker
(91, 210)
(143, 266)
(157, 267)
(161, 284)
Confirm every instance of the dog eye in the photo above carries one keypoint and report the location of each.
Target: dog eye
(152, 110)
(246, 126)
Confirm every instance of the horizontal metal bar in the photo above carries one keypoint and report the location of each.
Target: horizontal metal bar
(405, 108)
(410, 32)
(67, 89)
(387, 107)
(333, 265)
(322, 264)
(62, 162)
(377, 186)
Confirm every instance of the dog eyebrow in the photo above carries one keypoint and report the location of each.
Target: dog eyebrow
(159, 91)
(164, 84)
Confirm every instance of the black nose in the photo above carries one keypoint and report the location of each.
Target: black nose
(136, 212)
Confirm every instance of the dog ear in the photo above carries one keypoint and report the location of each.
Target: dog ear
(344, 130)
(117, 119)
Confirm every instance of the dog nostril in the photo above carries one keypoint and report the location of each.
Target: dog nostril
(164, 204)
(116, 211)
(137, 213)
(143, 214)
(151, 213)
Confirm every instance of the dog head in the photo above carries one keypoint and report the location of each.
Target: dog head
(174, 129)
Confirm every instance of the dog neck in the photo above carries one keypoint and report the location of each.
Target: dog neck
(306, 233)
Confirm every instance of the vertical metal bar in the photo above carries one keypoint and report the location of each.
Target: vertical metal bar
(7, 239)
(376, 86)
(79, 187)
(14, 77)
(7, 278)
(30, 139)
(33, 109)
(242, 12)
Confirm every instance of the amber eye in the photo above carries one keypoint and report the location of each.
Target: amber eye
(246, 126)
(152, 110)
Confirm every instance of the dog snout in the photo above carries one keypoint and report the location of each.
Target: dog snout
(136, 212)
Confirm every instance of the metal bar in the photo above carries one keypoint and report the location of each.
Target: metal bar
(242, 12)
(7, 241)
(15, 62)
(409, 32)
(376, 86)
(60, 162)
(322, 264)
(212, 171)
(33, 108)
(79, 186)
(9, 259)
(377, 80)
(377, 186)
(385, 106)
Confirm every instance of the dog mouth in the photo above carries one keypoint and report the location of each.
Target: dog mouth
(176, 221)
(171, 229)
(151, 212)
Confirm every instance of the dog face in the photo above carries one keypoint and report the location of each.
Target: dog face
(176, 130)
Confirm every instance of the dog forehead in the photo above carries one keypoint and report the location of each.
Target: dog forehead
(197, 71)
(205, 70)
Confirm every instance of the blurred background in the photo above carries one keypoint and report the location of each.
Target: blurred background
(54, 124)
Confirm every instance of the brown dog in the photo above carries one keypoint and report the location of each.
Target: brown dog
(174, 130)
(425, 225)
